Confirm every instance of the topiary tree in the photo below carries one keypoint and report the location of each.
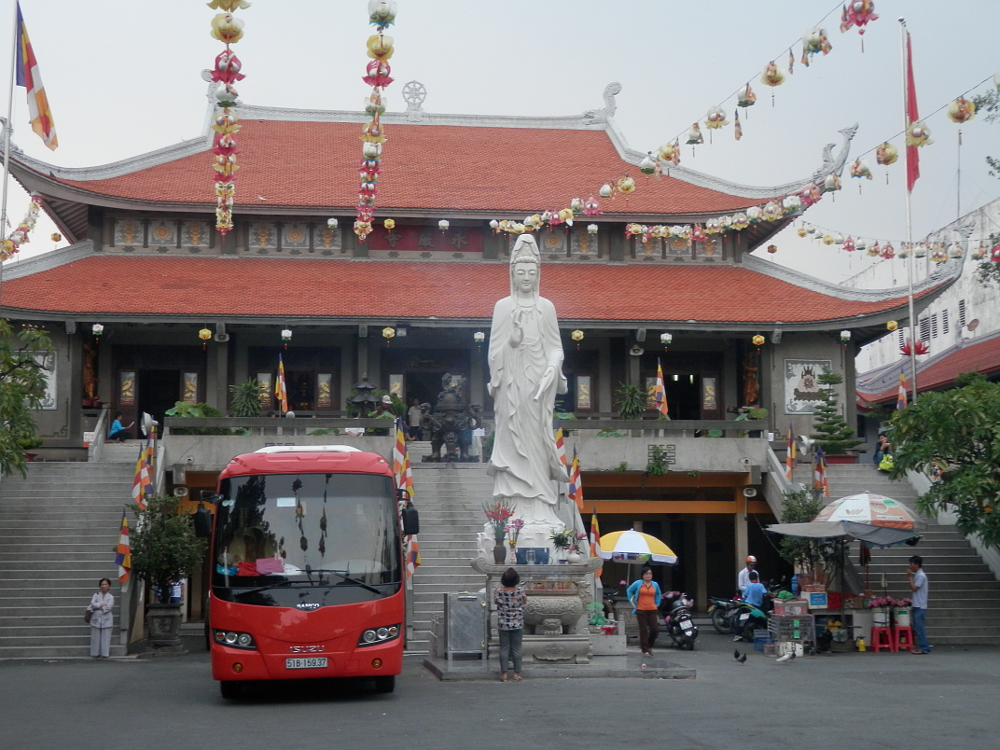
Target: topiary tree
(164, 544)
(832, 432)
(630, 401)
(246, 399)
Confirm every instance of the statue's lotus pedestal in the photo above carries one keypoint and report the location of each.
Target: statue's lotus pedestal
(556, 613)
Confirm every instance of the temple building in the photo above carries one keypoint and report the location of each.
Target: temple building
(672, 257)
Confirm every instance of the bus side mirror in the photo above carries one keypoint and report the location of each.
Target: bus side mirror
(202, 522)
(411, 520)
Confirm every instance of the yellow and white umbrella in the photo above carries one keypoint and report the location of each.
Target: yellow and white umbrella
(635, 548)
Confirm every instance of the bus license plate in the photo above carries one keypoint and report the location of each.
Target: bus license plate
(312, 662)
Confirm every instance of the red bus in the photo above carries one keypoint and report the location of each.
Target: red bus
(307, 568)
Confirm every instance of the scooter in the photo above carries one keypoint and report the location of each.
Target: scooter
(748, 618)
(675, 606)
(722, 612)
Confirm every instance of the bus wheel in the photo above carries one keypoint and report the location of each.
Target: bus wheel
(231, 689)
(385, 684)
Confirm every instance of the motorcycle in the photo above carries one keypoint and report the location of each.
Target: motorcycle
(675, 606)
(722, 612)
(748, 619)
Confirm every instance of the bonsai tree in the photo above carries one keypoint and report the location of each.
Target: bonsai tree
(832, 433)
(246, 399)
(164, 544)
(630, 401)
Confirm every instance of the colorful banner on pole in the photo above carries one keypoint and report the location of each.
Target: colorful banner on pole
(28, 76)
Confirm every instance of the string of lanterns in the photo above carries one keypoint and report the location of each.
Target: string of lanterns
(380, 48)
(938, 252)
(10, 245)
(226, 71)
(855, 14)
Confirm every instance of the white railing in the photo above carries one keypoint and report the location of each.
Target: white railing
(100, 436)
(778, 484)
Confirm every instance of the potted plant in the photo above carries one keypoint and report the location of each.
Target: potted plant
(832, 433)
(630, 401)
(562, 540)
(165, 549)
(513, 530)
(246, 399)
(497, 513)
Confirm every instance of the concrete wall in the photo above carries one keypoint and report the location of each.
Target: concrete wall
(60, 427)
(213, 452)
(692, 454)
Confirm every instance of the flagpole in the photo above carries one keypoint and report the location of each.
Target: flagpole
(6, 132)
(904, 48)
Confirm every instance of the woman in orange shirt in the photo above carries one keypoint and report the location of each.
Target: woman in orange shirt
(644, 595)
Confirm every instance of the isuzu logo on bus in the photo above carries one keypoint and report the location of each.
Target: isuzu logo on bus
(308, 606)
(306, 649)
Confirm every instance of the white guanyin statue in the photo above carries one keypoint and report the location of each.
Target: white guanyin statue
(525, 359)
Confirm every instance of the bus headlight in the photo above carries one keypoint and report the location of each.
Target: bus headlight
(374, 636)
(235, 639)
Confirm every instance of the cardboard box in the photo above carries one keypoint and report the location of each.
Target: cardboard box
(791, 607)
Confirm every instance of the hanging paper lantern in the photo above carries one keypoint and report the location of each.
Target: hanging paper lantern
(939, 256)
(19, 236)
(831, 183)
(792, 204)
(995, 254)
(773, 211)
(862, 246)
(849, 244)
(381, 13)
(591, 207)
(827, 239)
(773, 75)
(745, 97)
(670, 153)
(955, 250)
(577, 336)
(647, 165)
(920, 251)
(592, 229)
(204, 334)
(980, 252)
(229, 5)
(888, 251)
(740, 221)
(606, 190)
(860, 169)
(892, 325)
(845, 336)
(388, 332)
(814, 41)
(802, 231)
(754, 214)
(886, 154)
(961, 110)
(389, 224)
(858, 13)
(626, 185)
(694, 136)
(55, 237)
(758, 340)
(698, 234)
(577, 205)
(874, 251)
(838, 239)
(772, 249)
(918, 134)
(715, 119)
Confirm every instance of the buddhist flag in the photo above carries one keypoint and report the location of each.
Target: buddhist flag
(280, 391)
(901, 397)
(912, 152)
(141, 486)
(123, 556)
(660, 392)
(26, 68)
(595, 540)
(790, 455)
(404, 480)
(561, 447)
(575, 485)
(148, 458)
(820, 481)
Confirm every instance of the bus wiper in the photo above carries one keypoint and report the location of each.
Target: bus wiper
(349, 579)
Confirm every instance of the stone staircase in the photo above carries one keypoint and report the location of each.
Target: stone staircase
(449, 497)
(58, 533)
(121, 453)
(964, 595)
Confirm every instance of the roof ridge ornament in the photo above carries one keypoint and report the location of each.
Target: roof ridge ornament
(414, 94)
(594, 116)
(835, 164)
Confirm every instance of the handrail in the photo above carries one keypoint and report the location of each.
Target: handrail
(776, 475)
(100, 436)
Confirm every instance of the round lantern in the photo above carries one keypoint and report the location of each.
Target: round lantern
(444, 225)
(647, 165)
(389, 224)
(592, 229)
(845, 336)
(758, 340)
(388, 333)
(577, 336)
(605, 191)
(56, 237)
(802, 231)
(204, 334)
(495, 225)
(772, 249)
(666, 339)
(97, 329)
(286, 336)
(626, 185)
(892, 325)
(332, 223)
(479, 337)
(961, 110)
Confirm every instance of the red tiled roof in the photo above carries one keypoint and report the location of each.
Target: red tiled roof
(200, 286)
(981, 356)
(424, 167)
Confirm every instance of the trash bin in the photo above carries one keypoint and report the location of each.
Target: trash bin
(465, 624)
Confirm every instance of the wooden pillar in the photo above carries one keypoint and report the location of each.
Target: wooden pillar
(605, 402)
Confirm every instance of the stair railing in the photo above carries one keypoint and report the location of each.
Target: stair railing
(778, 484)
(100, 435)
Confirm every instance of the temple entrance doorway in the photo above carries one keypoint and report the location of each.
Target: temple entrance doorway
(424, 386)
(158, 390)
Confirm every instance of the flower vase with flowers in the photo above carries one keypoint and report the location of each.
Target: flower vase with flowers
(513, 530)
(497, 514)
(886, 606)
(562, 541)
(576, 547)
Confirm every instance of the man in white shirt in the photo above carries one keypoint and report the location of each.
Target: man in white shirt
(743, 580)
(415, 416)
(918, 585)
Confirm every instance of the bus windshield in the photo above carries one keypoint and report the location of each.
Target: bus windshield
(276, 531)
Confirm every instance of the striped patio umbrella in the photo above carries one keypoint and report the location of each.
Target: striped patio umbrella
(635, 548)
(871, 509)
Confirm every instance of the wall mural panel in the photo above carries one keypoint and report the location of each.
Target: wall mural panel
(803, 391)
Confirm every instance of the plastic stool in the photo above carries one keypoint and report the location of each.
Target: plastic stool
(903, 637)
(882, 640)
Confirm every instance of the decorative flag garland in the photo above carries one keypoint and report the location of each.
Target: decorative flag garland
(380, 48)
(10, 245)
(227, 29)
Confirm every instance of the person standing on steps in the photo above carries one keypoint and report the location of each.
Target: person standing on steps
(918, 585)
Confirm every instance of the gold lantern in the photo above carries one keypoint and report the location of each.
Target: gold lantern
(204, 334)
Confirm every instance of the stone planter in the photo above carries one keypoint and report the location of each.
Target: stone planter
(164, 624)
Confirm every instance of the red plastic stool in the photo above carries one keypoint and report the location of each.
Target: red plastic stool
(882, 640)
(902, 637)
